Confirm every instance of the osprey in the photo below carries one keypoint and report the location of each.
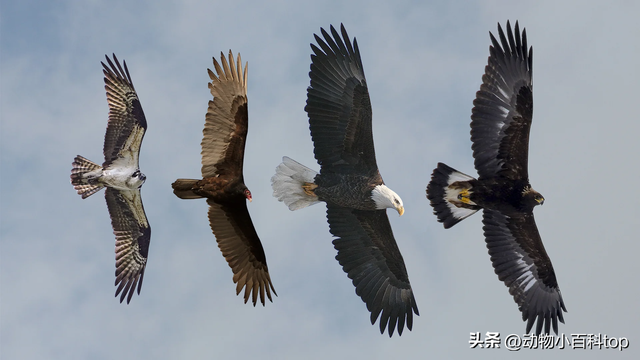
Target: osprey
(349, 182)
(225, 133)
(500, 123)
(120, 174)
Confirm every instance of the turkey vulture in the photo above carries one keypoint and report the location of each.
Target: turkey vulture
(120, 174)
(349, 182)
(225, 133)
(500, 123)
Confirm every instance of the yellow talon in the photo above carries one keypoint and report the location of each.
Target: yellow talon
(308, 188)
(464, 196)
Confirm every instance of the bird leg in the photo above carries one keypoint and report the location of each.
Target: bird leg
(308, 188)
(464, 196)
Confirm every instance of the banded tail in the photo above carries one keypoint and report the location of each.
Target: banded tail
(84, 176)
(293, 184)
(449, 193)
(182, 189)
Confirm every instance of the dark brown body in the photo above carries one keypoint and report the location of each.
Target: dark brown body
(352, 191)
(504, 195)
(219, 189)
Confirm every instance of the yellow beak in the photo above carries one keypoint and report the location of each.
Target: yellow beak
(400, 210)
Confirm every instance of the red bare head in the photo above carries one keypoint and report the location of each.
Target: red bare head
(247, 194)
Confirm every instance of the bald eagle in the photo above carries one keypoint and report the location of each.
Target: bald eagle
(120, 174)
(225, 133)
(349, 182)
(500, 124)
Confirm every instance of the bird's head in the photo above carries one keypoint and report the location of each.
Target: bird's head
(387, 198)
(532, 198)
(247, 194)
(136, 180)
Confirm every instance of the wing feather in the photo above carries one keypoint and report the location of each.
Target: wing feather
(370, 256)
(126, 117)
(226, 122)
(521, 262)
(133, 234)
(241, 247)
(503, 108)
(339, 107)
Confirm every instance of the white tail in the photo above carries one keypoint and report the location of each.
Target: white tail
(84, 176)
(449, 192)
(288, 184)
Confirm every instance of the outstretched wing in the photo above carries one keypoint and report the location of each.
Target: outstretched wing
(226, 124)
(339, 107)
(241, 247)
(133, 235)
(127, 123)
(503, 109)
(370, 256)
(521, 262)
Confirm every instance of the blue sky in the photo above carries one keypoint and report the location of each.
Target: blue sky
(423, 62)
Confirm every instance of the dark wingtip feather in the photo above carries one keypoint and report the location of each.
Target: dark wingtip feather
(539, 324)
(530, 321)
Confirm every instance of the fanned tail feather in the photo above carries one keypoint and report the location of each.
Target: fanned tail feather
(182, 189)
(288, 184)
(448, 191)
(84, 176)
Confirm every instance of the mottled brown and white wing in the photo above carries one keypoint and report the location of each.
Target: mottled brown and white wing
(127, 123)
(133, 234)
(226, 124)
(241, 247)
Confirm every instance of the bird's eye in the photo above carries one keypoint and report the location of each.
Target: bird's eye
(396, 201)
(135, 174)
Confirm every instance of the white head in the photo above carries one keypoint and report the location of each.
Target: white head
(136, 180)
(387, 198)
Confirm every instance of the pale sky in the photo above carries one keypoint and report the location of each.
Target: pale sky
(423, 62)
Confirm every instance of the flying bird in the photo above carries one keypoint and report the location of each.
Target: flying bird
(349, 182)
(120, 174)
(500, 124)
(225, 134)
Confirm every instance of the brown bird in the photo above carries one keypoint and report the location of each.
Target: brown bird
(225, 133)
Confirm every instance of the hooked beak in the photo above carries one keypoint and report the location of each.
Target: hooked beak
(400, 210)
(541, 201)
